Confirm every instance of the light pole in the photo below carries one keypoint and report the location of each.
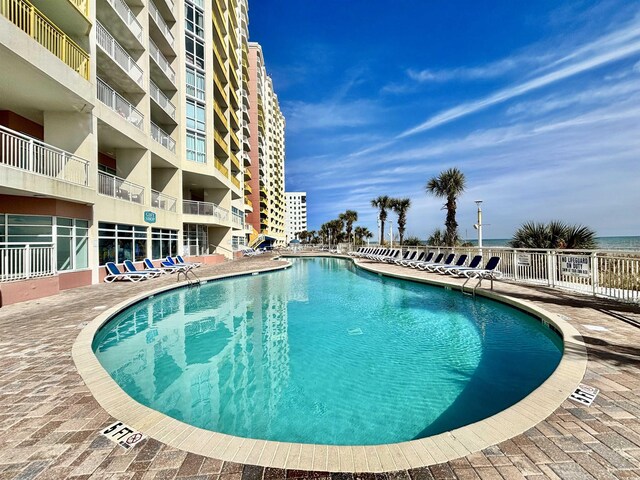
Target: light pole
(478, 226)
(391, 233)
(380, 232)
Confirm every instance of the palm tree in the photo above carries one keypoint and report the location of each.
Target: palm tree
(555, 234)
(382, 203)
(436, 239)
(324, 232)
(348, 218)
(312, 236)
(335, 227)
(361, 234)
(449, 184)
(400, 206)
(303, 235)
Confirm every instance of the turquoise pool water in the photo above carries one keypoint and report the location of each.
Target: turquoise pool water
(326, 353)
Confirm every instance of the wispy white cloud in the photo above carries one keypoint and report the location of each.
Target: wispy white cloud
(514, 91)
(482, 72)
(329, 115)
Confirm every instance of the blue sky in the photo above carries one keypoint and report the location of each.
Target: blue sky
(538, 103)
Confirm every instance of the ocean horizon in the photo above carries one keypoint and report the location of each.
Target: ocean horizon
(605, 243)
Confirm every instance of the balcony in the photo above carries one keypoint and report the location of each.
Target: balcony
(163, 138)
(246, 159)
(163, 202)
(31, 21)
(221, 168)
(191, 207)
(238, 220)
(235, 181)
(235, 162)
(118, 55)
(163, 28)
(162, 100)
(33, 156)
(119, 104)
(119, 188)
(163, 66)
(223, 145)
(123, 23)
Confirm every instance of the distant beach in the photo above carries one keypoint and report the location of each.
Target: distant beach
(605, 243)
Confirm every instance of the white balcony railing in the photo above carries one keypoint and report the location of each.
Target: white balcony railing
(161, 61)
(118, 54)
(25, 153)
(162, 138)
(21, 262)
(119, 104)
(127, 16)
(162, 201)
(161, 99)
(192, 207)
(119, 188)
(162, 25)
(238, 219)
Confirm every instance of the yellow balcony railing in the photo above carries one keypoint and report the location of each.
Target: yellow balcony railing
(247, 174)
(235, 181)
(221, 141)
(235, 161)
(82, 6)
(33, 22)
(248, 202)
(247, 188)
(221, 168)
(235, 143)
(223, 96)
(220, 114)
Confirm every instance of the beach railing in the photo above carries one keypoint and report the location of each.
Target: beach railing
(22, 262)
(603, 273)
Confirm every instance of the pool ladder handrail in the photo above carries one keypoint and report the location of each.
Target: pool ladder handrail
(190, 281)
(476, 286)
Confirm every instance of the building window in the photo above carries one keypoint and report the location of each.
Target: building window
(194, 19)
(164, 243)
(195, 116)
(196, 147)
(117, 243)
(194, 51)
(195, 239)
(69, 236)
(72, 244)
(195, 84)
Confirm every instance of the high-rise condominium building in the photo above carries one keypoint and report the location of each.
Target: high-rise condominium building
(266, 185)
(125, 134)
(296, 214)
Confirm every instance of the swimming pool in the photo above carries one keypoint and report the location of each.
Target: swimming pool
(326, 353)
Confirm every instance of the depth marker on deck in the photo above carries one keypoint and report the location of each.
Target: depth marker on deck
(123, 435)
(584, 394)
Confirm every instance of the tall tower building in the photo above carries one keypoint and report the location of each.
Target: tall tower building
(267, 154)
(124, 134)
(296, 214)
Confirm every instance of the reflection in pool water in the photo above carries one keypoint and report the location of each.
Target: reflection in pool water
(326, 353)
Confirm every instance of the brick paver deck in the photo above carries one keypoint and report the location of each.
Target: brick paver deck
(49, 421)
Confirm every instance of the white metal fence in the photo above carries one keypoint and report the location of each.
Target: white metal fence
(23, 152)
(119, 55)
(191, 207)
(604, 273)
(163, 138)
(119, 104)
(163, 201)
(24, 262)
(117, 187)
(123, 10)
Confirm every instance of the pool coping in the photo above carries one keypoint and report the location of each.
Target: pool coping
(518, 418)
